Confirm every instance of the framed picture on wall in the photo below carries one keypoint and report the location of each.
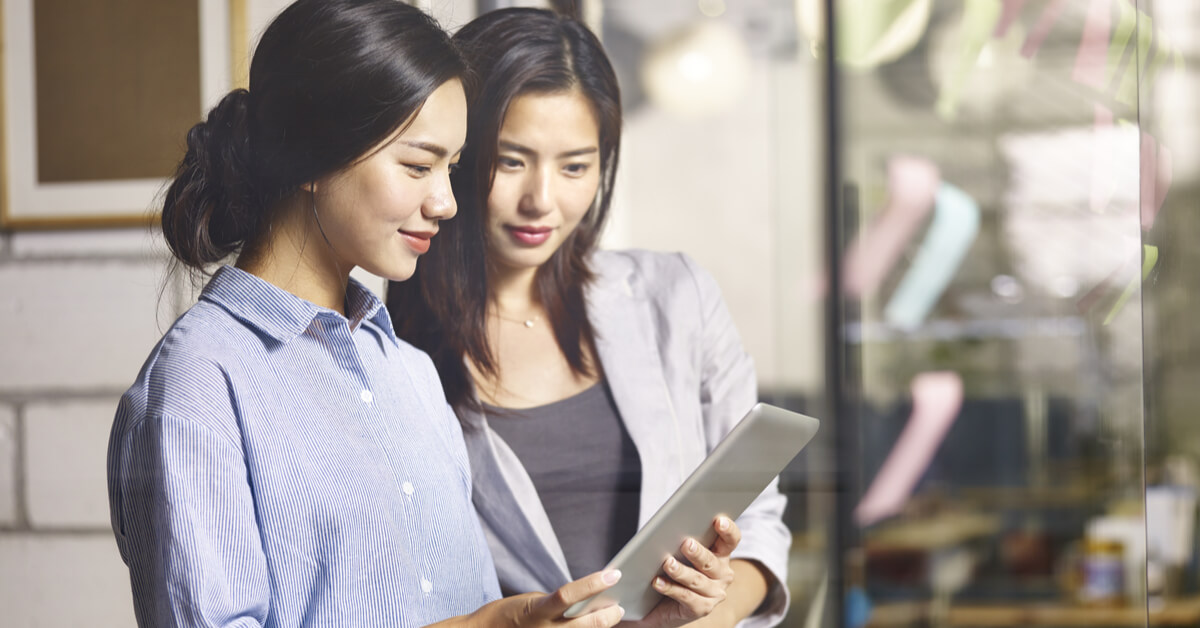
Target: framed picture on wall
(97, 98)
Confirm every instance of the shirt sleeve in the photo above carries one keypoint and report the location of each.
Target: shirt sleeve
(185, 523)
(728, 388)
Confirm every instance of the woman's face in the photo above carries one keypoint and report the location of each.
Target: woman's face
(381, 212)
(547, 174)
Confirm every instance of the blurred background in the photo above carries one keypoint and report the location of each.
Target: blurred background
(961, 239)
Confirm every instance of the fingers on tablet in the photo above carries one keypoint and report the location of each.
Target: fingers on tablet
(703, 559)
(697, 603)
(603, 618)
(728, 536)
(687, 577)
(554, 604)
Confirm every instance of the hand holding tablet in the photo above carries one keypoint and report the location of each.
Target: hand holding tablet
(744, 463)
(545, 610)
(693, 588)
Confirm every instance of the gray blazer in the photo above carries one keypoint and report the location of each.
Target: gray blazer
(680, 379)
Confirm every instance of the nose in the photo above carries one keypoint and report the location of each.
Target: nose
(440, 204)
(538, 199)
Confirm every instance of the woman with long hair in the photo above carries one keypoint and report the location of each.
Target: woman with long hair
(588, 383)
(282, 458)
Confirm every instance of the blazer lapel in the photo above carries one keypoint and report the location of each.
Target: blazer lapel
(628, 352)
(505, 497)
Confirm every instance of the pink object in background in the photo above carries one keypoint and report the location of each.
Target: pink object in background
(1157, 174)
(1012, 8)
(912, 186)
(1091, 61)
(1042, 29)
(937, 398)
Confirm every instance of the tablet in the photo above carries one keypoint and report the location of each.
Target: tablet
(733, 475)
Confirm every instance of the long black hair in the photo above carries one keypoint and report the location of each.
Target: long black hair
(443, 308)
(330, 79)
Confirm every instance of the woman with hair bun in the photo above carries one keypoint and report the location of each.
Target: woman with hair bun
(589, 383)
(282, 458)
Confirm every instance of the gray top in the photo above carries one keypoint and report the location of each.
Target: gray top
(590, 492)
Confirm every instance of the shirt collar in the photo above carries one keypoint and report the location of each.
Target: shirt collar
(283, 315)
(363, 305)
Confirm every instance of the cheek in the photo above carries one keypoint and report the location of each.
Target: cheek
(372, 186)
(500, 204)
(581, 201)
(399, 199)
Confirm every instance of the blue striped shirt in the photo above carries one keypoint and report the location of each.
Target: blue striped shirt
(279, 464)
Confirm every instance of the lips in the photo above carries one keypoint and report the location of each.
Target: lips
(418, 241)
(530, 235)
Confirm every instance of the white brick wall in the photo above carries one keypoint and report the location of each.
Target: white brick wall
(82, 323)
(65, 455)
(63, 581)
(8, 467)
(123, 243)
(79, 313)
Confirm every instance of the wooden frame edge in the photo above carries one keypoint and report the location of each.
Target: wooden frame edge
(239, 46)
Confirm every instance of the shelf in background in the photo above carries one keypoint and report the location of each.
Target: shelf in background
(1178, 612)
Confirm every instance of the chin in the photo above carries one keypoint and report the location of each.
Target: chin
(394, 272)
(525, 262)
(403, 275)
(534, 256)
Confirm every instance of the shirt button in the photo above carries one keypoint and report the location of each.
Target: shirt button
(426, 585)
(366, 396)
(407, 487)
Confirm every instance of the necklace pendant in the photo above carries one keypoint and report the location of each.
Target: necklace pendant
(529, 323)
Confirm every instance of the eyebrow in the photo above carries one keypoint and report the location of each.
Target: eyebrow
(438, 151)
(525, 150)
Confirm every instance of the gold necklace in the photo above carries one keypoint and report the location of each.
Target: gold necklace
(528, 322)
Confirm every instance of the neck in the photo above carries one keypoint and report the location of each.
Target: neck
(293, 256)
(513, 291)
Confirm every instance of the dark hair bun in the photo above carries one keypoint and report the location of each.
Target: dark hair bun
(209, 209)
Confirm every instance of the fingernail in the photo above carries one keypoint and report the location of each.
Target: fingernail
(622, 610)
(660, 584)
(672, 564)
(611, 577)
(691, 545)
(722, 524)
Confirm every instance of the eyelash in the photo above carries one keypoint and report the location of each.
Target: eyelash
(570, 169)
(421, 171)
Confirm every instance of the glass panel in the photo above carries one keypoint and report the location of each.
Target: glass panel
(1170, 159)
(992, 201)
(998, 208)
